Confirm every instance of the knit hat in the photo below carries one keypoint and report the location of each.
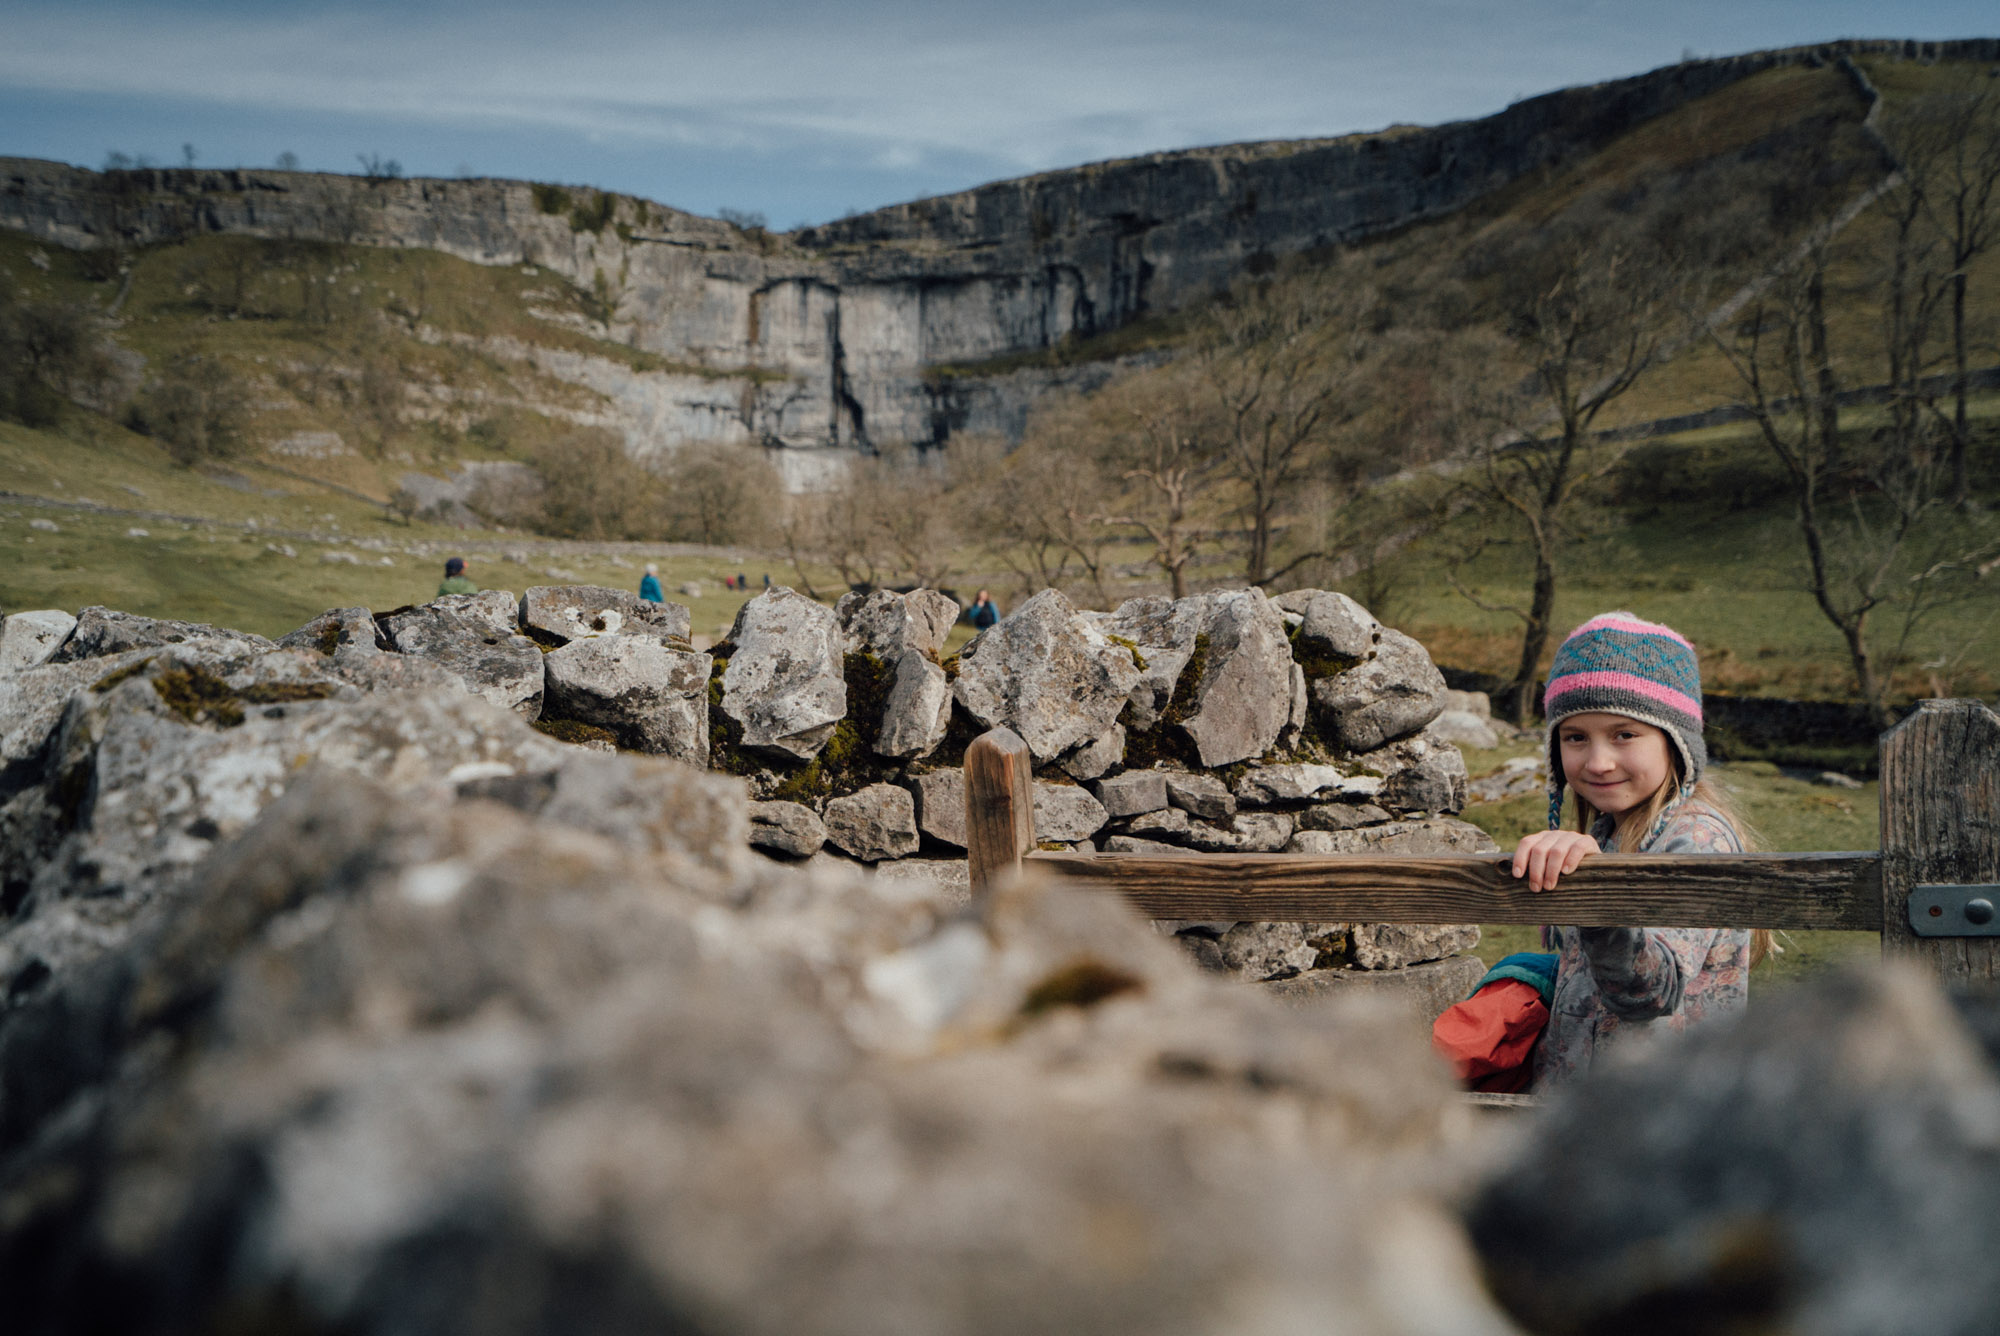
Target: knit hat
(454, 566)
(1617, 664)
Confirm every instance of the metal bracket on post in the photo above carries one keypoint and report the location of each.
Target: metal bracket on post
(1955, 911)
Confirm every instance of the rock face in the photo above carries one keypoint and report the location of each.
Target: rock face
(1385, 698)
(852, 312)
(580, 612)
(784, 686)
(30, 639)
(1047, 674)
(652, 696)
(1825, 1164)
(475, 643)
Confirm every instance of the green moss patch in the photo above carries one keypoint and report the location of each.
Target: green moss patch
(1314, 663)
(1132, 648)
(1166, 740)
(574, 731)
(1081, 983)
(198, 696)
(125, 674)
(328, 639)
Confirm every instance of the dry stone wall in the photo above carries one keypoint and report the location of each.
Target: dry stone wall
(1223, 722)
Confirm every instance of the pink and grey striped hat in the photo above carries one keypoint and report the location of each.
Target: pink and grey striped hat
(1619, 664)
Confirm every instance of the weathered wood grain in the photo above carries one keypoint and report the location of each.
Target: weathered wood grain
(1941, 824)
(999, 806)
(1828, 890)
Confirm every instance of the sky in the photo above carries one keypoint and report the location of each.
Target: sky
(804, 111)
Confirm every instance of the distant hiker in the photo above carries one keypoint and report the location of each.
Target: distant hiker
(984, 611)
(729, 582)
(649, 585)
(767, 585)
(454, 578)
(742, 580)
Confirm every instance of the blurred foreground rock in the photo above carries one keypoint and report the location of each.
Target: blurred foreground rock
(1830, 1164)
(385, 1013)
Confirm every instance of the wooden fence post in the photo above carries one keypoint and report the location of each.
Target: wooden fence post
(999, 807)
(1941, 824)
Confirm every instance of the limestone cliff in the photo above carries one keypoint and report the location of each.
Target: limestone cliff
(825, 335)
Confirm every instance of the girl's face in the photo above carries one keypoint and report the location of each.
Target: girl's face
(1613, 762)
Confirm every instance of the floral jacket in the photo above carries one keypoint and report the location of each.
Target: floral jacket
(1614, 985)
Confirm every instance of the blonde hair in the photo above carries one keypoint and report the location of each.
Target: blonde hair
(1630, 829)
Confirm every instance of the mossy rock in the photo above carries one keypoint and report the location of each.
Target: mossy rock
(574, 731)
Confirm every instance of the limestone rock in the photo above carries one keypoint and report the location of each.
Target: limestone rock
(683, 818)
(789, 828)
(1094, 758)
(1201, 795)
(1046, 673)
(579, 612)
(918, 708)
(342, 634)
(1066, 812)
(1333, 626)
(1420, 774)
(1424, 990)
(1133, 792)
(1168, 823)
(1131, 844)
(785, 686)
(1243, 698)
(939, 796)
(945, 881)
(1245, 833)
(496, 609)
(32, 702)
(30, 639)
(1301, 711)
(652, 696)
(878, 822)
(1389, 696)
(1417, 839)
(1341, 816)
(1824, 1163)
(100, 631)
(1393, 946)
(1164, 633)
(472, 637)
(1475, 703)
(1301, 782)
(888, 624)
(1464, 729)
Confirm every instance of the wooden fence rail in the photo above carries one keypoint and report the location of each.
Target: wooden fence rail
(1940, 825)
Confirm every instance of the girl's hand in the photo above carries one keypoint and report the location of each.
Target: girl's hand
(1548, 854)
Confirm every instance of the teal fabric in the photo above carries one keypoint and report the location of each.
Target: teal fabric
(1534, 968)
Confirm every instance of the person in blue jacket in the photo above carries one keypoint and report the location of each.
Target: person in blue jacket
(649, 585)
(983, 612)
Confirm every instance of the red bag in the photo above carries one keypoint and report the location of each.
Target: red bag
(1490, 1037)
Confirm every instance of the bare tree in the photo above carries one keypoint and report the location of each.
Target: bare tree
(1163, 454)
(1947, 145)
(1034, 510)
(1280, 362)
(1586, 310)
(1872, 512)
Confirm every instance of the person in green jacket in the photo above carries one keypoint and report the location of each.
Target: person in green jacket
(454, 579)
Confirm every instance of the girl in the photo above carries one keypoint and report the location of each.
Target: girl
(1624, 707)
